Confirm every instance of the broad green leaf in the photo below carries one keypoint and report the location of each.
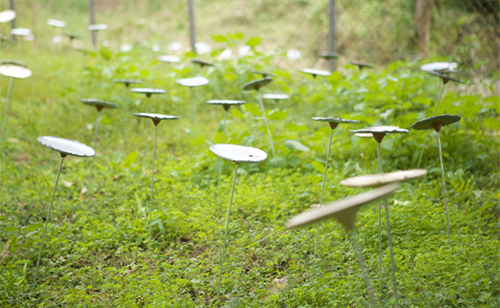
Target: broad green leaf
(254, 41)
(296, 145)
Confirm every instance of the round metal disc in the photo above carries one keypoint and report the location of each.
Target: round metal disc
(360, 64)
(328, 55)
(20, 31)
(73, 36)
(445, 119)
(193, 82)
(315, 72)
(335, 120)
(445, 77)
(13, 62)
(201, 62)
(56, 23)
(14, 70)
(156, 116)
(148, 90)
(98, 103)
(343, 210)
(439, 66)
(66, 146)
(256, 84)
(7, 16)
(381, 129)
(128, 81)
(97, 27)
(373, 180)
(225, 102)
(169, 59)
(263, 74)
(363, 135)
(275, 96)
(238, 153)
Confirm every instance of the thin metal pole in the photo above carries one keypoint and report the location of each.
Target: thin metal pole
(224, 127)
(93, 157)
(444, 190)
(192, 30)
(225, 234)
(152, 189)
(13, 21)
(193, 111)
(393, 265)
(92, 20)
(323, 190)
(265, 120)
(427, 133)
(364, 270)
(332, 37)
(220, 169)
(48, 218)
(380, 228)
(147, 128)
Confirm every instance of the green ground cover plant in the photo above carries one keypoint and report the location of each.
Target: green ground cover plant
(98, 256)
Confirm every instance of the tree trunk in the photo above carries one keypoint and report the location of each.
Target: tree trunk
(423, 12)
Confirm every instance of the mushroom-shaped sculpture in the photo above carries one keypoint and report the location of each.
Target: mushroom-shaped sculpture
(7, 16)
(14, 70)
(148, 92)
(378, 133)
(315, 72)
(195, 82)
(72, 36)
(128, 82)
(276, 96)
(237, 154)
(375, 180)
(263, 74)
(169, 59)
(436, 123)
(442, 67)
(20, 31)
(445, 79)
(328, 55)
(361, 65)
(201, 63)
(94, 28)
(157, 118)
(64, 147)
(99, 105)
(256, 85)
(56, 23)
(345, 212)
(334, 122)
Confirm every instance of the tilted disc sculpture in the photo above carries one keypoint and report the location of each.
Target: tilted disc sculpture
(436, 123)
(195, 82)
(169, 59)
(379, 132)
(374, 180)
(315, 72)
(64, 147)
(56, 23)
(148, 92)
(237, 154)
(445, 79)
(72, 37)
(256, 85)
(263, 74)
(345, 212)
(334, 122)
(440, 67)
(127, 83)
(94, 28)
(156, 120)
(20, 31)
(201, 63)
(14, 70)
(7, 16)
(361, 65)
(99, 105)
(328, 55)
(226, 104)
(276, 96)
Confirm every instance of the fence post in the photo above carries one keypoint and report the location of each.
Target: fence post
(191, 25)
(92, 21)
(332, 35)
(13, 21)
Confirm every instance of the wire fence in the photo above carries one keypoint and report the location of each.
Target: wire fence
(377, 32)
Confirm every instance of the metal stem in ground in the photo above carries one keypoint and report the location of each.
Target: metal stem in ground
(393, 265)
(444, 190)
(47, 220)
(380, 228)
(220, 159)
(323, 190)
(93, 157)
(225, 234)
(152, 189)
(364, 270)
(147, 129)
(267, 125)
